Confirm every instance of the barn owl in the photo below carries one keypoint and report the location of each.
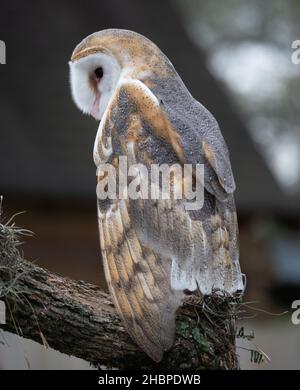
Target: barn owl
(155, 250)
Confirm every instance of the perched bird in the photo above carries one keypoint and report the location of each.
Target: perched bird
(154, 250)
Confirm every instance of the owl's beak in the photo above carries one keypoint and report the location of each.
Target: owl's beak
(95, 108)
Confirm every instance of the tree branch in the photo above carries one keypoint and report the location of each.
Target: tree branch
(78, 319)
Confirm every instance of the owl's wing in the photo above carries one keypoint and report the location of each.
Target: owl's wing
(201, 142)
(153, 250)
(198, 140)
(139, 281)
(138, 275)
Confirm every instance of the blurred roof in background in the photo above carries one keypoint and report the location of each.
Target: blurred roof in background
(46, 143)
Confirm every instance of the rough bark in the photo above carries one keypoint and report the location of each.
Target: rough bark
(79, 319)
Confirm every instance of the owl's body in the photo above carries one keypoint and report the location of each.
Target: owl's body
(153, 249)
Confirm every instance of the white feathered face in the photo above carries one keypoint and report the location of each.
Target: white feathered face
(94, 79)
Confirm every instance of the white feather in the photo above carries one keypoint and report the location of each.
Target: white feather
(80, 73)
(140, 85)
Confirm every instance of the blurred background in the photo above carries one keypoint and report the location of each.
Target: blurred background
(235, 58)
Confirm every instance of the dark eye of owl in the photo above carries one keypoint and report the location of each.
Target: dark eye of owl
(99, 73)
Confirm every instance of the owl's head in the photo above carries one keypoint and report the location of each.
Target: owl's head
(103, 59)
(94, 77)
